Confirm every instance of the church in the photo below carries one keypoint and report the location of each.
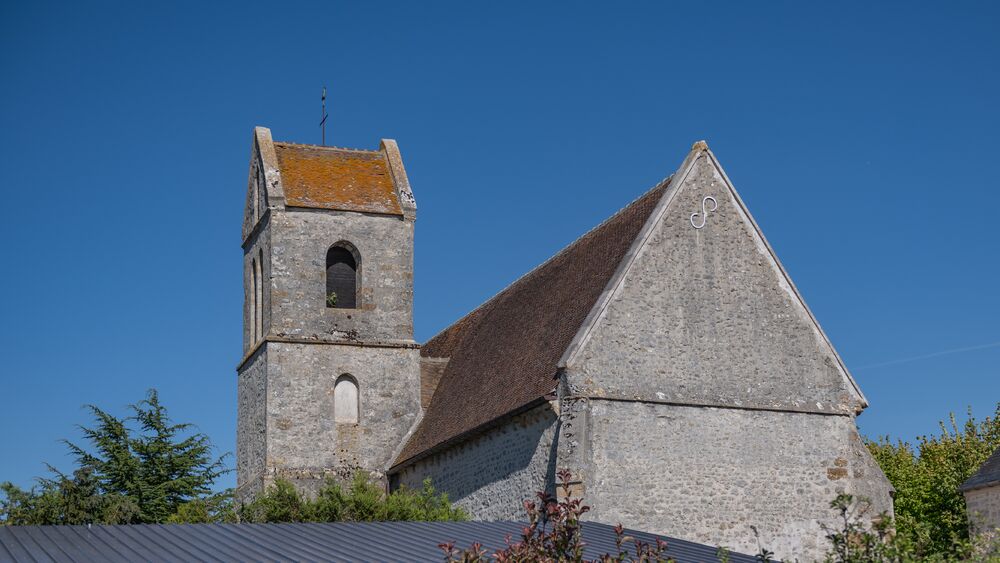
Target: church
(664, 357)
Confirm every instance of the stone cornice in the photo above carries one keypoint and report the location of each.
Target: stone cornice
(404, 344)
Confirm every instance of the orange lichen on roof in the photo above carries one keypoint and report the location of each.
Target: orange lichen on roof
(335, 178)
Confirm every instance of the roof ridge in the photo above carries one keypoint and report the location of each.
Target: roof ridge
(562, 251)
(331, 147)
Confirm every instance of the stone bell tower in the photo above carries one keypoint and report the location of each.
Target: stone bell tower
(329, 382)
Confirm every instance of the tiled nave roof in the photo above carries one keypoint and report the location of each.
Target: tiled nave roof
(504, 355)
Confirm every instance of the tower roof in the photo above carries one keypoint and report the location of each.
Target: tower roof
(337, 178)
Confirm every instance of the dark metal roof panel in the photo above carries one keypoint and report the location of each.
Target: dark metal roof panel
(136, 544)
(403, 542)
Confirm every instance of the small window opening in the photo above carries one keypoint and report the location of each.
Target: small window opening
(253, 301)
(345, 400)
(259, 276)
(341, 278)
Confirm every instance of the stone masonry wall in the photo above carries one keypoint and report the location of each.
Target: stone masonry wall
(301, 239)
(304, 444)
(251, 436)
(309, 345)
(491, 474)
(983, 506)
(707, 474)
(704, 316)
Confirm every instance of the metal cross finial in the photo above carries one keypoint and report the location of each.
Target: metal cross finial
(322, 122)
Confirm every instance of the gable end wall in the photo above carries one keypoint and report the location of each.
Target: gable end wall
(704, 398)
(705, 316)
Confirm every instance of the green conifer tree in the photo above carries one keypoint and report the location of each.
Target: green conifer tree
(138, 469)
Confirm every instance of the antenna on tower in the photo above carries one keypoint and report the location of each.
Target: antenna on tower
(322, 122)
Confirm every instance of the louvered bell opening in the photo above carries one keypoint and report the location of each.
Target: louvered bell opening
(341, 279)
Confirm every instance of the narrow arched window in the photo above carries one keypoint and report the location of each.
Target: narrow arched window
(259, 276)
(345, 400)
(253, 301)
(342, 274)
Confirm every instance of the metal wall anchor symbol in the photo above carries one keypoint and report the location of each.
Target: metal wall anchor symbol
(704, 211)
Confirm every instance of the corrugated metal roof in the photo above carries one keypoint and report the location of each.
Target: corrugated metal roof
(342, 541)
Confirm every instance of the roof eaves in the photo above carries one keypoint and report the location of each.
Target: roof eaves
(967, 486)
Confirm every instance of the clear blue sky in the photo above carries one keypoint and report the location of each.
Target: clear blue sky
(863, 137)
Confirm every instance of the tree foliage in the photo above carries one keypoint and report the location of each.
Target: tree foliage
(361, 501)
(144, 468)
(139, 469)
(64, 500)
(859, 539)
(930, 511)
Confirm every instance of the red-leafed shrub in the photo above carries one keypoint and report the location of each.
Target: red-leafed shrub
(553, 534)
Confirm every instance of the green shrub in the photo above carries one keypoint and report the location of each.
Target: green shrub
(929, 509)
(362, 501)
(216, 508)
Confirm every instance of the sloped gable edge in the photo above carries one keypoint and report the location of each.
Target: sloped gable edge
(264, 188)
(700, 155)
